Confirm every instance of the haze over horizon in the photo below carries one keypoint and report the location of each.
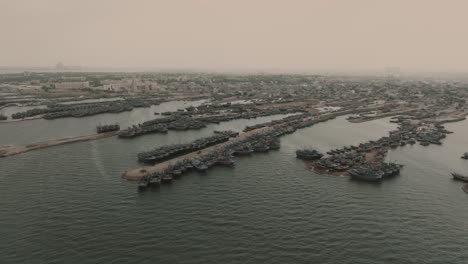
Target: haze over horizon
(223, 35)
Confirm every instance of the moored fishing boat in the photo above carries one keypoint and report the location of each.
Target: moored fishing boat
(460, 177)
(308, 154)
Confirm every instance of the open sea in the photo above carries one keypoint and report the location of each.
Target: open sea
(69, 204)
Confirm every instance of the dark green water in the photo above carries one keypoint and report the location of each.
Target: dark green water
(68, 204)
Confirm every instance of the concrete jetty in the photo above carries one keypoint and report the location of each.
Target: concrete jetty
(7, 151)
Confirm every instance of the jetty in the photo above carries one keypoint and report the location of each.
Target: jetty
(7, 151)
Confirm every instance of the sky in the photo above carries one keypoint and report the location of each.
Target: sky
(290, 35)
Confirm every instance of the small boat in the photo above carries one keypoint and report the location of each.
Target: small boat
(226, 162)
(166, 178)
(459, 177)
(261, 148)
(465, 188)
(155, 181)
(308, 154)
(424, 143)
(201, 167)
(366, 174)
(246, 150)
(465, 155)
(143, 184)
(176, 173)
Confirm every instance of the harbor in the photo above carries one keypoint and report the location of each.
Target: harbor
(259, 186)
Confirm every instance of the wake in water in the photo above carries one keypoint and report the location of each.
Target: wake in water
(96, 157)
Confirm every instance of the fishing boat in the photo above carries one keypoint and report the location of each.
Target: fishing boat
(458, 176)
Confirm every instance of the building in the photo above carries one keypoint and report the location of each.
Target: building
(72, 85)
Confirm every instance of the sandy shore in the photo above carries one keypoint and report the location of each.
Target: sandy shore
(7, 151)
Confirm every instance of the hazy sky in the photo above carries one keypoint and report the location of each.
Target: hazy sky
(236, 34)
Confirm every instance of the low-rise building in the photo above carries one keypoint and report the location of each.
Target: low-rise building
(72, 85)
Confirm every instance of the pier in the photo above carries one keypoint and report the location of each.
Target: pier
(7, 151)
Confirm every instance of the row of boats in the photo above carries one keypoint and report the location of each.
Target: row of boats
(278, 122)
(107, 128)
(185, 120)
(356, 165)
(215, 113)
(54, 111)
(82, 112)
(374, 172)
(155, 179)
(162, 125)
(167, 152)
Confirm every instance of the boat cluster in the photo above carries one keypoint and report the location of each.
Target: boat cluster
(375, 171)
(223, 156)
(84, 109)
(230, 133)
(366, 161)
(291, 118)
(171, 151)
(228, 111)
(201, 164)
(162, 125)
(216, 113)
(107, 128)
(425, 134)
(257, 143)
(180, 120)
(342, 160)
